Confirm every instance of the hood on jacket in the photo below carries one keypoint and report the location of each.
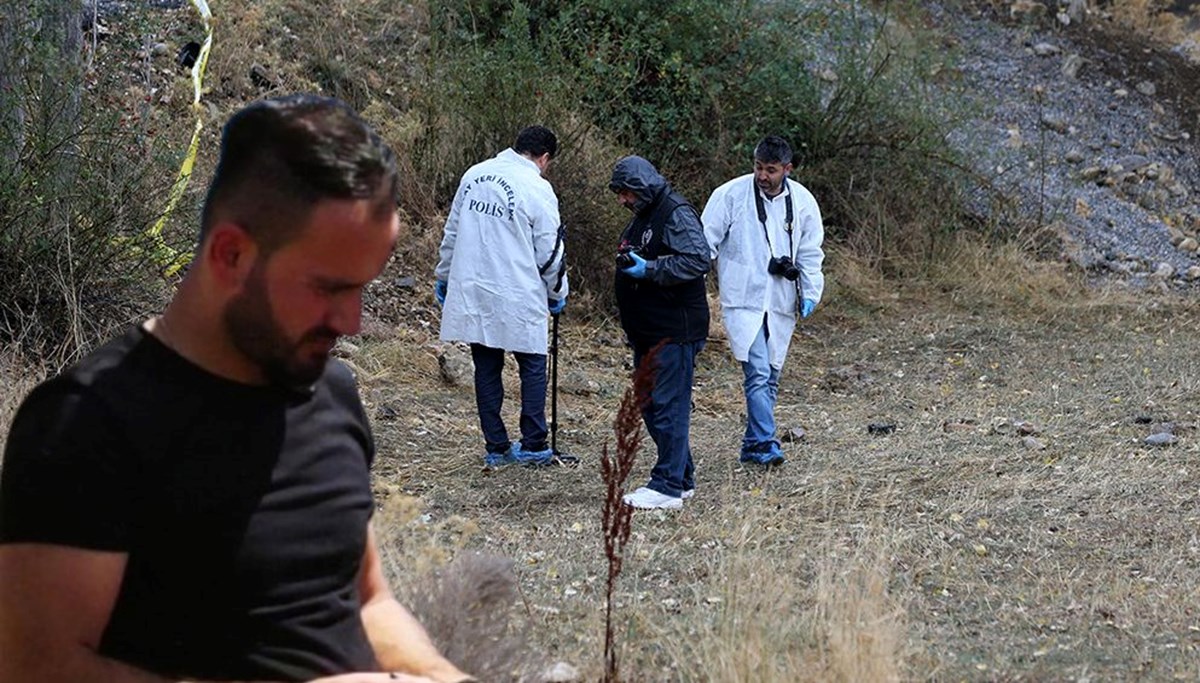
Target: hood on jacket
(639, 176)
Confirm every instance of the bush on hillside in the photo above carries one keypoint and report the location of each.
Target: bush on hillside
(692, 85)
(78, 191)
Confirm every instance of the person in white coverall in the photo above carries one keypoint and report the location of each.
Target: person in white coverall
(501, 269)
(765, 233)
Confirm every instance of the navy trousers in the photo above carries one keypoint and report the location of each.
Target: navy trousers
(668, 415)
(489, 397)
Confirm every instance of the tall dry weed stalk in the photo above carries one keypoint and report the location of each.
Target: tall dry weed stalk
(618, 516)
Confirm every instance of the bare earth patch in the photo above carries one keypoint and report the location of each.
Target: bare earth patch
(952, 548)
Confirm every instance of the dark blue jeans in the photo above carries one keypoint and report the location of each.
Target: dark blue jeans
(668, 415)
(489, 397)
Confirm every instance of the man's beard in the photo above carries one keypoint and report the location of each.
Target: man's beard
(765, 186)
(252, 327)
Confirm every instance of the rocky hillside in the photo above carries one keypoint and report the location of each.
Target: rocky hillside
(1091, 129)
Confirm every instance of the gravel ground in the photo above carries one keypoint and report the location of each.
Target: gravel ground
(1090, 128)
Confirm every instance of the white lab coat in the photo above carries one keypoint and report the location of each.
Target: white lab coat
(737, 241)
(502, 228)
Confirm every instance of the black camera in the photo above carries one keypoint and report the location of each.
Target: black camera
(624, 260)
(783, 267)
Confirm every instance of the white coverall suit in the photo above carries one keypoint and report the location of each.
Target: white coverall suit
(502, 229)
(760, 308)
(736, 240)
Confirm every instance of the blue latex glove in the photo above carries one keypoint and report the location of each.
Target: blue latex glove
(557, 307)
(638, 269)
(439, 292)
(806, 307)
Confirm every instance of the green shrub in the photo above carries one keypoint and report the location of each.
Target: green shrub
(692, 85)
(79, 188)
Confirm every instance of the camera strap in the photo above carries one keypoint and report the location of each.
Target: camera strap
(562, 265)
(761, 207)
(558, 240)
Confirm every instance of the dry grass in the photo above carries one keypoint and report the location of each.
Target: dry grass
(1151, 18)
(761, 624)
(976, 272)
(933, 553)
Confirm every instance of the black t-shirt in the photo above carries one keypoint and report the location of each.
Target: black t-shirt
(243, 510)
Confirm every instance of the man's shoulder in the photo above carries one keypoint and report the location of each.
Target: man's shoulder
(342, 385)
(339, 375)
(543, 187)
(510, 166)
(732, 188)
(100, 368)
(528, 182)
(673, 201)
(523, 170)
(743, 182)
(803, 196)
(479, 169)
(83, 402)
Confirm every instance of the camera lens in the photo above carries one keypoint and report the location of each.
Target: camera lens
(783, 267)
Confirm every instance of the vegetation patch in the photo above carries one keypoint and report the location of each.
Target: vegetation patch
(693, 86)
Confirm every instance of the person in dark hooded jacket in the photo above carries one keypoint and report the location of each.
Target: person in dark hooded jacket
(661, 297)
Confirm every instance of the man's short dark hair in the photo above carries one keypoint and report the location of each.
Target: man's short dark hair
(281, 156)
(773, 150)
(535, 141)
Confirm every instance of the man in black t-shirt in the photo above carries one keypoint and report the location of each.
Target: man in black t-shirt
(192, 500)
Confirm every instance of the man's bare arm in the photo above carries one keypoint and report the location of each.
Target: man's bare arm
(400, 642)
(55, 602)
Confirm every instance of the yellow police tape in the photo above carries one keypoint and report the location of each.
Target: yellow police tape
(169, 259)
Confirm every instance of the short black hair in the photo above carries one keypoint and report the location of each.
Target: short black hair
(281, 156)
(773, 149)
(535, 141)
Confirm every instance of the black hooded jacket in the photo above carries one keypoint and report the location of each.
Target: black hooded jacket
(670, 302)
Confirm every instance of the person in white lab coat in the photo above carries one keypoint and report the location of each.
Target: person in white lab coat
(501, 270)
(765, 232)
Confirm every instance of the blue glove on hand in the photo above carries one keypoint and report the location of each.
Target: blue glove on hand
(806, 307)
(638, 269)
(557, 307)
(439, 292)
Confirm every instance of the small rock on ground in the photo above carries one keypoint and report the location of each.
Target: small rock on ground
(561, 672)
(1161, 439)
(456, 365)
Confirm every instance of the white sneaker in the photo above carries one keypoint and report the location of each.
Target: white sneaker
(649, 499)
(687, 493)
